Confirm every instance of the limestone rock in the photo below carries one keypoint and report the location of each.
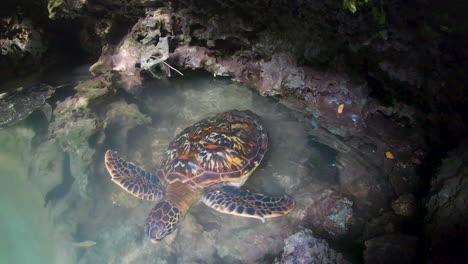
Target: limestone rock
(405, 205)
(47, 167)
(387, 223)
(389, 249)
(329, 213)
(124, 199)
(73, 126)
(446, 225)
(363, 181)
(304, 248)
(120, 118)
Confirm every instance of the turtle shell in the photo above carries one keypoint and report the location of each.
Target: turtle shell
(223, 148)
(21, 103)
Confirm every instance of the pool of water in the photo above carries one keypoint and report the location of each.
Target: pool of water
(106, 225)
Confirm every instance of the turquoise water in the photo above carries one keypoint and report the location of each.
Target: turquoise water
(27, 234)
(88, 219)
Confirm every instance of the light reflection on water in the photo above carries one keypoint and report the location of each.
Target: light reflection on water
(115, 220)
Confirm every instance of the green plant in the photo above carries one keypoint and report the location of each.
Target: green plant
(352, 5)
(52, 6)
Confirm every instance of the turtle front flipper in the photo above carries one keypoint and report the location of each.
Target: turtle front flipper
(134, 180)
(232, 200)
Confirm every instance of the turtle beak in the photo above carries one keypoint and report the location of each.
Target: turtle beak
(154, 241)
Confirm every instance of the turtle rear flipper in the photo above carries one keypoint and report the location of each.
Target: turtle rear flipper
(134, 180)
(232, 200)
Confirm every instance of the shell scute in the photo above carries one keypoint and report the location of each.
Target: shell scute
(221, 148)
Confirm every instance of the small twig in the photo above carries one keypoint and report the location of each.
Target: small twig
(154, 74)
(64, 85)
(172, 68)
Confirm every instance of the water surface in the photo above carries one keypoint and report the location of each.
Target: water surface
(114, 220)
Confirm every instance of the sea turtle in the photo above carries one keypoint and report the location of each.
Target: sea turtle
(209, 160)
(19, 104)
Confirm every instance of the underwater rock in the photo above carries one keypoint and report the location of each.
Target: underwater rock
(81, 154)
(73, 126)
(76, 122)
(364, 183)
(47, 166)
(387, 223)
(304, 248)
(191, 236)
(401, 73)
(329, 213)
(22, 46)
(125, 117)
(16, 142)
(389, 249)
(405, 205)
(251, 242)
(95, 88)
(446, 225)
(124, 199)
(314, 92)
(214, 101)
(113, 244)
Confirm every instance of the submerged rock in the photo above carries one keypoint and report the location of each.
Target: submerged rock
(304, 248)
(73, 126)
(213, 101)
(329, 214)
(120, 119)
(124, 199)
(446, 225)
(364, 182)
(405, 205)
(387, 223)
(402, 249)
(112, 244)
(47, 168)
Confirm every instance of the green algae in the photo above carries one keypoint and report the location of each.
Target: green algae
(52, 6)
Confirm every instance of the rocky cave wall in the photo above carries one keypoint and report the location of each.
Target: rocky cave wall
(387, 81)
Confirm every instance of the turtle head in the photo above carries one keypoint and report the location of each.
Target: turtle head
(166, 215)
(162, 221)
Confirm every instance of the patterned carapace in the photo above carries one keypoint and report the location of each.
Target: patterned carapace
(223, 148)
(209, 160)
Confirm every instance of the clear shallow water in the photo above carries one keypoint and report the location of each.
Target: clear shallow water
(114, 220)
(27, 234)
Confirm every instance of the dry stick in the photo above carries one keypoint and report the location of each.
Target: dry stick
(172, 68)
(154, 74)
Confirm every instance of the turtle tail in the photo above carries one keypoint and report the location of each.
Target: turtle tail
(165, 216)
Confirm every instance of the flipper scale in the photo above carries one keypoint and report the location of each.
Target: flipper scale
(133, 179)
(232, 200)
